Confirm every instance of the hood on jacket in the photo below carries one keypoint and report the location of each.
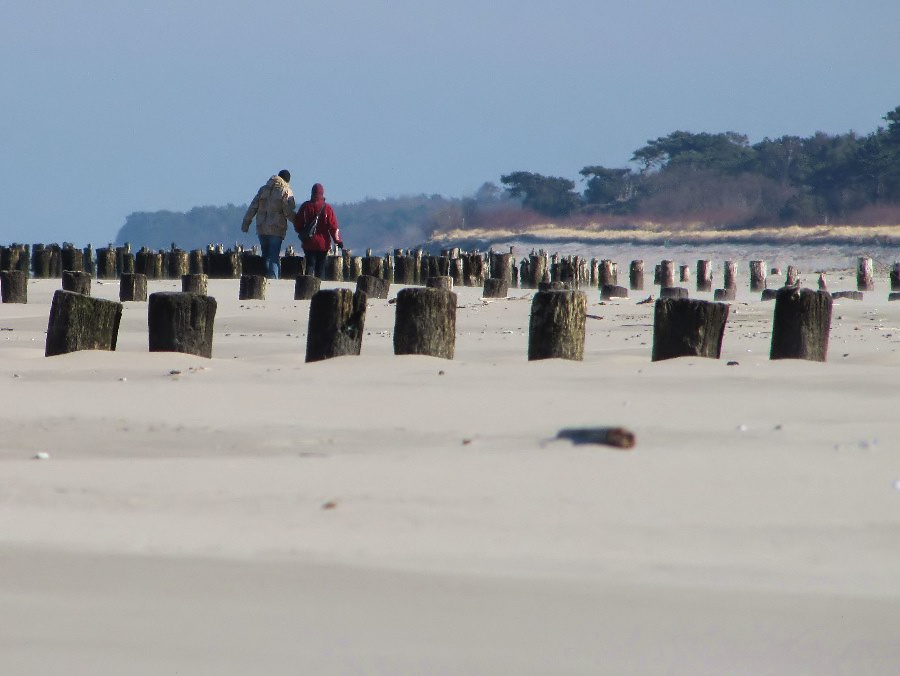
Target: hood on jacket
(317, 193)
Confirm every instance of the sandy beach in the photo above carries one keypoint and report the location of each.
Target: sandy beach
(381, 514)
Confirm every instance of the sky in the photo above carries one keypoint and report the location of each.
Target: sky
(110, 107)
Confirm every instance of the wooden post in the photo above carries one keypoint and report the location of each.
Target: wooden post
(337, 320)
(501, 267)
(76, 281)
(704, 275)
(757, 275)
(252, 287)
(225, 265)
(176, 264)
(801, 324)
(444, 282)
(41, 261)
(613, 291)
(849, 295)
(133, 287)
(195, 284)
(79, 322)
(793, 276)
(895, 277)
(291, 266)
(556, 327)
(636, 275)
(724, 294)
(674, 292)
(106, 263)
(374, 266)
(87, 256)
(404, 269)
(197, 262)
(181, 322)
(534, 274)
(373, 287)
(253, 264)
(688, 328)
(864, 281)
(894, 295)
(456, 271)
(684, 273)
(13, 286)
(729, 275)
(495, 288)
(355, 268)
(71, 259)
(425, 322)
(666, 274)
(334, 269)
(769, 294)
(609, 273)
(306, 287)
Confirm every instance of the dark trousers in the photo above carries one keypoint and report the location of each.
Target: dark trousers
(315, 263)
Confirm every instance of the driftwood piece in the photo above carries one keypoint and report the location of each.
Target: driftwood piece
(556, 327)
(801, 324)
(13, 286)
(425, 322)
(619, 437)
(132, 287)
(79, 322)
(337, 320)
(181, 322)
(688, 328)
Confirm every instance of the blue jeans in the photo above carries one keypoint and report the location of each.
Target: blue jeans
(270, 246)
(315, 263)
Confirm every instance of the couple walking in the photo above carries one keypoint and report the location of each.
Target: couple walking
(274, 206)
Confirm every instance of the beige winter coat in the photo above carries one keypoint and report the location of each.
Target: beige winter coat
(273, 207)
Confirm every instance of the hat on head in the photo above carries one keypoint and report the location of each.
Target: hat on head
(285, 174)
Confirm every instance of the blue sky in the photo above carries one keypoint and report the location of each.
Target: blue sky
(111, 107)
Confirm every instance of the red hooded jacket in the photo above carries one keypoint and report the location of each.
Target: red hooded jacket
(326, 230)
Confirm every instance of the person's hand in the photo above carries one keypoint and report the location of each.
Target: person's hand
(340, 245)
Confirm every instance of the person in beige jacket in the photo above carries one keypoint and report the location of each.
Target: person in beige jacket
(274, 208)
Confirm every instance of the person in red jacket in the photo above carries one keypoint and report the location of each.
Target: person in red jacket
(316, 247)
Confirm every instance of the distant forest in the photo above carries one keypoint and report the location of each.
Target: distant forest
(686, 179)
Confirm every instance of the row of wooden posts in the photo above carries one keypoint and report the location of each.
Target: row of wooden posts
(425, 322)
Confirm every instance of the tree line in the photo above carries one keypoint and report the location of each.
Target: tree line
(721, 178)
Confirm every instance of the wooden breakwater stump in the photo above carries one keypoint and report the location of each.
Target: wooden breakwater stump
(177, 264)
(894, 295)
(223, 265)
(337, 320)
(13, 286)
(636, 275)
(133, 287)
(757, 275)
(724, 294)
(666, 274)
(895, 277)
(106, 263)
(334, 269)
(688, 328)
(729, 275)
(149, 263)
(373, 265)
(9, 256)
(197, 262)
(41, 262)
(253, 264)
(425, 322)
(864, 274)
(556, 327)
(684, 274)
(181, 322)
(792, 277)
(252, 287)
(444, 282)
(352, 267)
(195, 283)
(495, 288)
(801, 324)
(373, 287)
(291, 266)
(76, 281)
(404, 269)
(608, 273)
(610, 291)
(704, 275)
(79, 322)
(306, 286)
(71, 259)
(473, 269)
(553, 286)
(849, 295)
(769, 294)
(538, 266)
(502, 266)
(674, 292)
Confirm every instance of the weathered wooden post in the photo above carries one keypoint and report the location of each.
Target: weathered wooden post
(609, 273)
(13, 286)
(704, 275)
(404, 269)
(556, 327)
(291, 266)
(636, 275)
(253, 264)
(133, 287)
(792, 278)
(456, 271)
(501, 267)
(495, 288)
(688, 328)
(334, 269)
(87, 257)
(76, 281)
(769, 294)
(425, 322)
(306, 286)
(534, 274)
(864, 280)
(224, 265)
(724, 294)
(895, 277)
(41, 261)
(684, 273)
(252, 287)
(612, 291)
(177, 264)
(148, 263)
(801, 324)
(729, 275)
(106, 263)
(666, 274)
(181, 322)
(757, 275)
(373, 287)
(71, 258)
(444, 282)
(373, 265)
(337, 320)
(355, 268)
(79, 322)
(197, 262)
(192, 283)
(473, 269)
(673, 292)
